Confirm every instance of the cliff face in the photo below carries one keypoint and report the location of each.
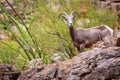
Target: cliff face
(96, 64)
(114, 5)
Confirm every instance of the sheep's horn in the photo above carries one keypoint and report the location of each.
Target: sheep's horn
(62, 14)
(74, 13)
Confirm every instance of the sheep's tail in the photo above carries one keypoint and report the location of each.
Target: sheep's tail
(110, 29)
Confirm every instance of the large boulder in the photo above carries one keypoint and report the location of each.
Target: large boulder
(96, 64)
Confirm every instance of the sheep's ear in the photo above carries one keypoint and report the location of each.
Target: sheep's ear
(75, 13)
(63, 15)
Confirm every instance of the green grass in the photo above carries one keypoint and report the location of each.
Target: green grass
(45, 33)
(8, 53)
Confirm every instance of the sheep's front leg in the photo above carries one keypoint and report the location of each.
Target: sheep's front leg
(81, 48)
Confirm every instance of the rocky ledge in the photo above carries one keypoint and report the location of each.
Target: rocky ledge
(96, 64)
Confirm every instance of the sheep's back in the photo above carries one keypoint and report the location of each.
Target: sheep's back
(87, 36)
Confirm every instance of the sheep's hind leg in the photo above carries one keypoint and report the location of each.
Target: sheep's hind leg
(81, 48)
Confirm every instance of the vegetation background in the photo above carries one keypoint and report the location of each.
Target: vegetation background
(39, 33)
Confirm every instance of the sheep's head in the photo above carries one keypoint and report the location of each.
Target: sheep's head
(69, 17)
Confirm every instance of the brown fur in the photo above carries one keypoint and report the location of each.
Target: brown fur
(85, 38)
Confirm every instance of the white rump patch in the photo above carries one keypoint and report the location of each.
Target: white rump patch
(111, 30)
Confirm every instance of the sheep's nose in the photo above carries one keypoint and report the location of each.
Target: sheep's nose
(71, 24)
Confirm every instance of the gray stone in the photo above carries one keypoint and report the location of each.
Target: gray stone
(96, 64)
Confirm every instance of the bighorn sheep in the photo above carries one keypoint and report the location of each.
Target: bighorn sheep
(85, 38)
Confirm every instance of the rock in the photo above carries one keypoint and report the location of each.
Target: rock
(8, 72)
(114, 5)
(105, 4)
(118, 39)
(96, 64)
(35, 62)
(118, 42)
(58, 57)
(28, 74)
(73, 77)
